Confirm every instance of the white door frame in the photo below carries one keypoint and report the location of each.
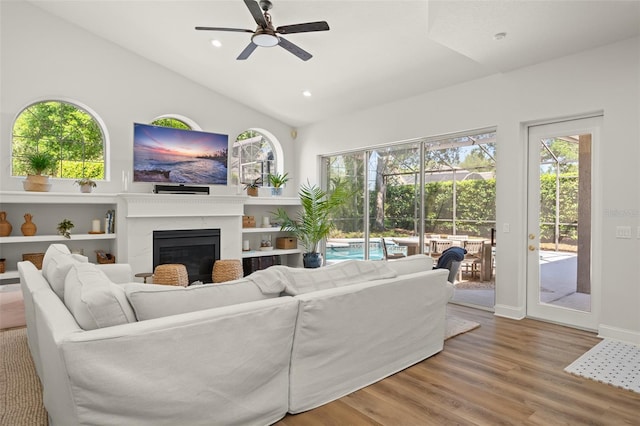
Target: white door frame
(536, 309)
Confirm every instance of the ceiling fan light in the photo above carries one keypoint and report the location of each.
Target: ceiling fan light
(265, 40)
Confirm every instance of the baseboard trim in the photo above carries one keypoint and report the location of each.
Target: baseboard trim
(617, 333)
(507, 311)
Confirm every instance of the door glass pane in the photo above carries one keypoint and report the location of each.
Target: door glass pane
(394, 200)
(346, 239)
(565, 218)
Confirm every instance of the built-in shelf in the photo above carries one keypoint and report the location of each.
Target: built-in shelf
(274, 252)
(272, 201)
(25, 197)
(48, 238)
(9, 275)
(261, 230)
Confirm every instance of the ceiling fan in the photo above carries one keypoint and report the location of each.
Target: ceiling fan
(266, 36)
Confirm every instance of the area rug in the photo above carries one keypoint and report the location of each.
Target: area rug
(612, 362)
(456, 326)
(20, 390)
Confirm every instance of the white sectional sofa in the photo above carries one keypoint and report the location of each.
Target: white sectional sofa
(109, 351)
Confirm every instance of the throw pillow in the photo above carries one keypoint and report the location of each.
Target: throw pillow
(93, 300)
(53, 251)
(300, 281)
(57, 270)
(155, 301)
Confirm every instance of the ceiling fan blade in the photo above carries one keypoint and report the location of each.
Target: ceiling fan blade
(256, 12)
(299, 52)
(237, 30)
(303, 28)
(247, 51)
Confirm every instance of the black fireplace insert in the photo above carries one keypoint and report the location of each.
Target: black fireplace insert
(197, 249)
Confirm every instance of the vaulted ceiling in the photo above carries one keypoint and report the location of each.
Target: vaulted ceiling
(375, 52)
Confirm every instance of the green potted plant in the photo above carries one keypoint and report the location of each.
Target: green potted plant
(64, 227)
(38, 163)
(86, 184)
(313, 221)
(277, 181)
(252, 187)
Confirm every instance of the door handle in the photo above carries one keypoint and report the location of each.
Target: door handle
(532, 247)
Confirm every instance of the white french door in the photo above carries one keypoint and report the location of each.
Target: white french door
(560, 236)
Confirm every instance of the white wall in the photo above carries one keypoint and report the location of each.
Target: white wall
(605, 79)
(44, 57)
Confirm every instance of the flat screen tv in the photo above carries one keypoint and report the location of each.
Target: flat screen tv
(164, 154)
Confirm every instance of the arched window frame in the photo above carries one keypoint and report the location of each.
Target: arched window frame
(186, 120)
(237, 160)
(106, 145)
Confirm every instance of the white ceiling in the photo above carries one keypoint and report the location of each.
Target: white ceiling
(376, 51)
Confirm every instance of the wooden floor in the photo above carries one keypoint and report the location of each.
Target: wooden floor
(505, 372)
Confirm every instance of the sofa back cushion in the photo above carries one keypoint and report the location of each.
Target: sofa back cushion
(52, 251)
(300, 281)
(93, 300)
(57, 269)
(155, 301)
(411, 264)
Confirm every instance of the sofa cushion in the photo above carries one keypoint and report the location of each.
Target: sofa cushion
(53, 251)
(155, 301)
(93, 300)
(57, 269)
(412, 264)
(300, 281)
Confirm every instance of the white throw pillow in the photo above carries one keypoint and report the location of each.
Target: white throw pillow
(93, 300)
(300, 281)
(57, 270)
(52, 251)
(155, 301)
(411, 264)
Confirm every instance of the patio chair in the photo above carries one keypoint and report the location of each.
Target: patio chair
(437, 247)
(385, 251)
(472, 262)
(451, 259)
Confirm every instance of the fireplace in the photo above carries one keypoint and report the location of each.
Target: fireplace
(197, 249)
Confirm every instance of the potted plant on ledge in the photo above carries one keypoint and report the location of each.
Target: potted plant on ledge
(252, 187)
(38, 163)
(86, 184)
(313, 222)
(277, 181)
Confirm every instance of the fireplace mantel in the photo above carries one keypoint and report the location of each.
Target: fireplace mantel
(173, 205)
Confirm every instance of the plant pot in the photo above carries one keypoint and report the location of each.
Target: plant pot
(312, 260)
(5, 226)
(276, 192)
(36, 183)
(28, 228)
(85, 189)
(252, 191)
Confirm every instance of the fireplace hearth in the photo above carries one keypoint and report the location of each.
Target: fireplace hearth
(197, 249)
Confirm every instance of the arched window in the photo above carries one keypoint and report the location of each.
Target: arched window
(256, 154)
(172, 122)
(67, 132)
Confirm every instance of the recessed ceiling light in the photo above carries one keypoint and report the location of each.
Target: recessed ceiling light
(216, 43)
(499, 36)
(306, 93)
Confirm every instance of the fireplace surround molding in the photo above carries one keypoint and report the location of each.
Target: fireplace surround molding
(141, 214)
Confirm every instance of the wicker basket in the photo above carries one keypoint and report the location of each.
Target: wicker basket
(2, 265)
(35, 258)
(171, 274)
(226, 270)
(103, 258)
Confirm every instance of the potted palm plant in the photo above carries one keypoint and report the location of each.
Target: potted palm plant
(38, 163)
(277, 181)
(313, 222)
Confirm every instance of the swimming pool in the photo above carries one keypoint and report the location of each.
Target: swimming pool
(354, 249)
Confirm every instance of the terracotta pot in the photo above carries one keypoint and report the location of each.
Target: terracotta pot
(5, 226)
(28, 228)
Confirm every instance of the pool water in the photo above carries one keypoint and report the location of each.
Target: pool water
(353, 252)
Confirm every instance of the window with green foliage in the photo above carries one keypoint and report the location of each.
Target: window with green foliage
(174, 123)
(253, 157)
(63, 130)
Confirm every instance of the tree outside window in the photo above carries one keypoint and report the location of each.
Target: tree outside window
(67, 132)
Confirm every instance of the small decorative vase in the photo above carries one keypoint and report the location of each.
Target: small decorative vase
(28, 228)
(5, 226)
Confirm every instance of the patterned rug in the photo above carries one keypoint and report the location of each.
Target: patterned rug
(612, 362)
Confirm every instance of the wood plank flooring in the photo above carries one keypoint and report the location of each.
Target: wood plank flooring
(504, 373)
